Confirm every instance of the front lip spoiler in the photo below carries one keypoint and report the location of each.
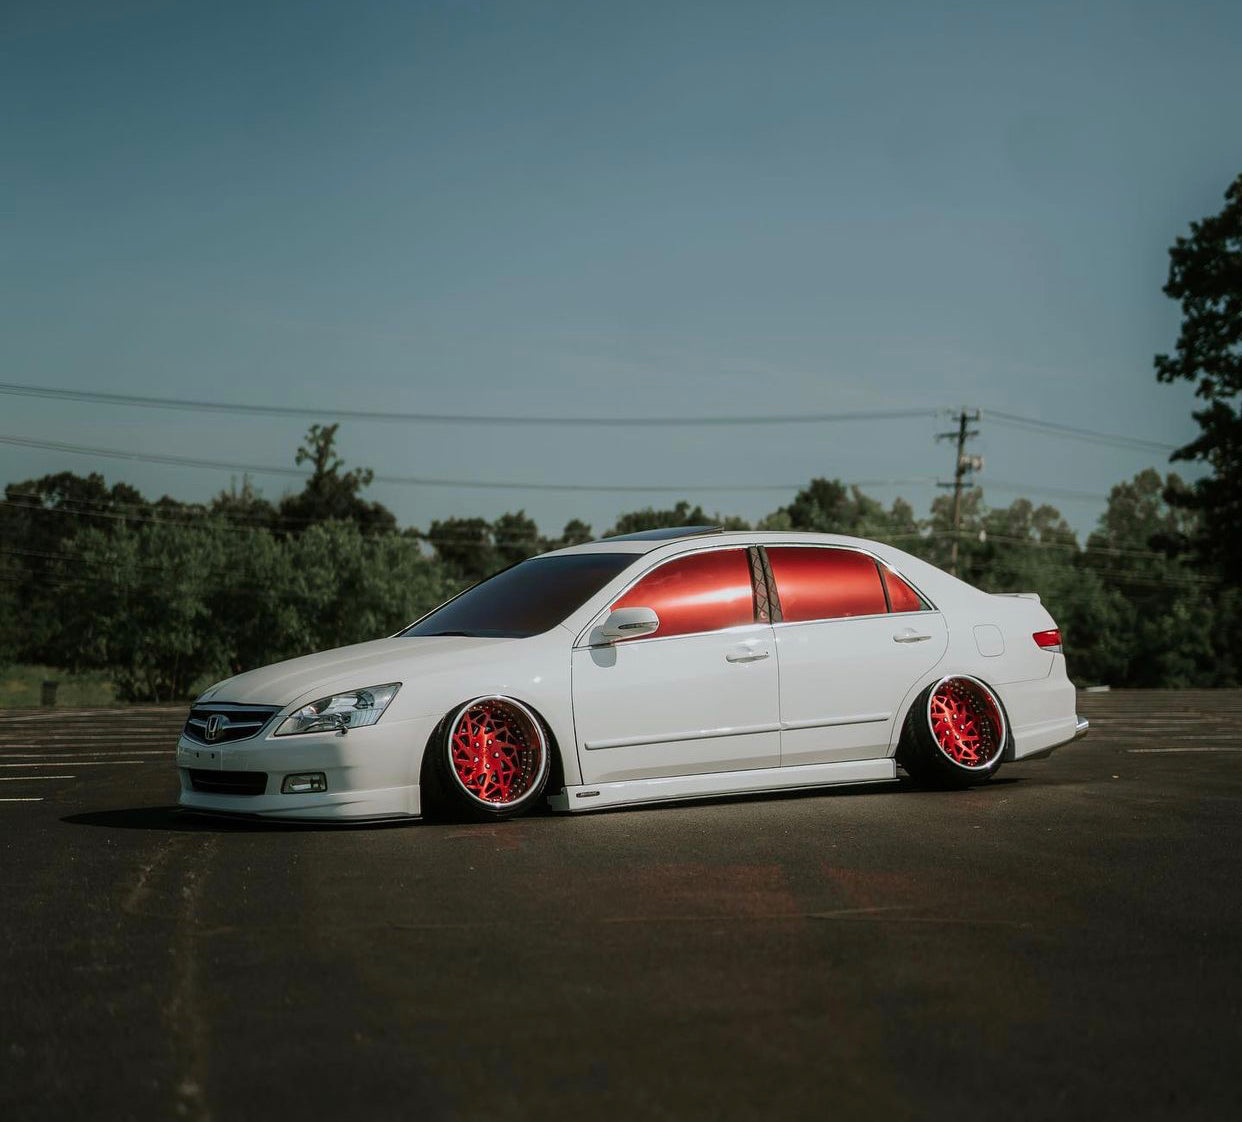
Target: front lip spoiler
(277, 820)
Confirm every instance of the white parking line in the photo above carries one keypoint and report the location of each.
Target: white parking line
(25, 800)
(80, 755)
(84, 763)
(1167, 751)
(31, 778)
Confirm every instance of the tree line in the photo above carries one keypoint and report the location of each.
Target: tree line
(164, 595)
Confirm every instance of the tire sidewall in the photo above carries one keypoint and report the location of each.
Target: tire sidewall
(922, 757)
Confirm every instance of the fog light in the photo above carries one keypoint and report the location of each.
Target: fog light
(302, 784)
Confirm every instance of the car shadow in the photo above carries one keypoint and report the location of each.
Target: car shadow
(175, 819)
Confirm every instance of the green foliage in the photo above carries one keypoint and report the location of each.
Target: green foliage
(683, 514)
(465, 546)
(163, 595)
(827, 506)
(1205, 275)
(173, 604)
(150, 621)
(330, 494)
(8, 619)
(575, 533)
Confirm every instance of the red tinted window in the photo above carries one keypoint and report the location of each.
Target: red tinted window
(902, 597)
(702, 592)
(826, 583)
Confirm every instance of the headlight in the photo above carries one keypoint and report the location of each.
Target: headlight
(352, 710)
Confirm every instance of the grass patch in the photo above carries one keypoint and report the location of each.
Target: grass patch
(21, 687)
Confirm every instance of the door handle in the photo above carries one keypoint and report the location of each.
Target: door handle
(909, 635)
(747, 654)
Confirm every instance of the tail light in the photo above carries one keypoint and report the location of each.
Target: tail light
(1049, 641)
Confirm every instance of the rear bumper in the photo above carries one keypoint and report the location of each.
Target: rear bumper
(1081, 728)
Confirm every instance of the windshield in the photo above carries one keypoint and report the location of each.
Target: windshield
(527, 599)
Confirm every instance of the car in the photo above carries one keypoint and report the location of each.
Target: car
(680, 663)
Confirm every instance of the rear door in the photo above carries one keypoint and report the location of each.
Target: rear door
(698, 695)
(852, 639)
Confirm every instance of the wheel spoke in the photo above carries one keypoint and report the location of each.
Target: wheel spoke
(496, 752)
(966, 722)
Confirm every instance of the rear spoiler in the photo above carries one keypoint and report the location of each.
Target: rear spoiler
(1020, 595)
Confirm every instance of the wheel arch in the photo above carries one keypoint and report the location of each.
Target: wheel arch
(429, 780)
(939, 674)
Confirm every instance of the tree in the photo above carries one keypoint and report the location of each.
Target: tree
(245, 506)
(474, 548)
(150, 622)
(1179, 623)
(828, 506)
(1205, 275)
(515, 538)
(575, 533)
(329, 494)
(465, 546)
(683, 514)
(38, 519)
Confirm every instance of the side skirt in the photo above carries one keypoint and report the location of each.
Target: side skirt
(671, 788)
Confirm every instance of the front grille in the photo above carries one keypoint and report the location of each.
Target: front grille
(228, 722)
(228, 782)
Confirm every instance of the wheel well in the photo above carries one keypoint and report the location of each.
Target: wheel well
(429, 781)
(900, 733)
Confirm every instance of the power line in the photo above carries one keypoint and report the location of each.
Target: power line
(99, 398)
(1014, 420)
(421, 481)
(1073, 432)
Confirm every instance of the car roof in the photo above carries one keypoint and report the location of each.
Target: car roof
(650, 541)
(666, 533)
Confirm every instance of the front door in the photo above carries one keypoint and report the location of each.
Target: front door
(698, 695)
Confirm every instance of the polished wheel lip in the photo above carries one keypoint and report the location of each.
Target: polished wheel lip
(1002, 737)
(535, 723)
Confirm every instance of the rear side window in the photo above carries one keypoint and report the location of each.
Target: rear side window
(826, 583)
(901, 596)
(702, 592)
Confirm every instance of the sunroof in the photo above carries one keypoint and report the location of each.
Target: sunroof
(667, 533)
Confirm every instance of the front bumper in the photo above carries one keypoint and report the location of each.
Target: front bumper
(370, 773)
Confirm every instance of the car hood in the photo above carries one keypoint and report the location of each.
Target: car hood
(346, 668)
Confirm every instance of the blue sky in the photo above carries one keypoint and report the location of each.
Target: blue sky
(590, 209)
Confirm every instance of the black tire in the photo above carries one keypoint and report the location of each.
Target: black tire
(491, 758)
(939, 749)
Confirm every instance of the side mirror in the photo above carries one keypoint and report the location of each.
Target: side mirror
(626, 623)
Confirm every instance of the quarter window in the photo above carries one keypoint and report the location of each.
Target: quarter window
(702, 592)
(826, 583)
(901, 597)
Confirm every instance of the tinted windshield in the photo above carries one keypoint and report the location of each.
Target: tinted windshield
(527, 599)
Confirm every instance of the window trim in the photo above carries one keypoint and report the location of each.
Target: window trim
(582, 641)
(775, 586)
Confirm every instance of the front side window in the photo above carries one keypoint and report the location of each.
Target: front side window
(826, 583)
(702, 592)
(527, 599)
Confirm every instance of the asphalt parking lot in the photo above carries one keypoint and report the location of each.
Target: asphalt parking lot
(1063, 943)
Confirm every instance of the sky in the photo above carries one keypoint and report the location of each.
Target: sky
(636, 209)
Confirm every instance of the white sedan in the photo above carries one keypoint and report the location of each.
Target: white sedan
(671, 664)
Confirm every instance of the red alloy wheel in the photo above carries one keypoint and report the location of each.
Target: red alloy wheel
(498, 752)
(966, 722)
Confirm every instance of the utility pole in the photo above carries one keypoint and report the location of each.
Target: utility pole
(963, 466)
